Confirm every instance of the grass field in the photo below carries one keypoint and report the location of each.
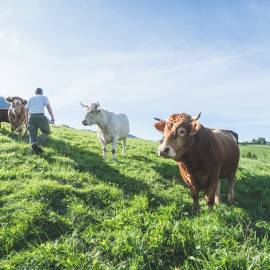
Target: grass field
(68, 209)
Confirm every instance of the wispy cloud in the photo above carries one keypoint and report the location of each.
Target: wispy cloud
(207, 62)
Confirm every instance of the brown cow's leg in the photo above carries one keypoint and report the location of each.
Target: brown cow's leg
(210, 199)
(217, 195)
(12, 128)
(16, 129)
(195, 197)
(20, 131)
(231, 188)
(211, 190)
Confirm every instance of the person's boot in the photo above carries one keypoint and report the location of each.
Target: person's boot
(36, 149)
(42, 139)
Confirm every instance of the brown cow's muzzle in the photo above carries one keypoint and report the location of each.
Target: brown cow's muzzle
(163, 152)
(166, 151)
(15, 110)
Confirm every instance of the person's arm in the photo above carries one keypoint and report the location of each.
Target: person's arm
(49, 108)
(26, 116)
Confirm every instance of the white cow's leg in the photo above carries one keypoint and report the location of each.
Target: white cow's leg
(104, 148)
(124, 144)
(104, 151)
(114, 148)
(103, 144)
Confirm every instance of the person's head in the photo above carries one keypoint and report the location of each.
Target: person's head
(39, 91)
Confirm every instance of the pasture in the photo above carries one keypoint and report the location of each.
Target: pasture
(68, 209)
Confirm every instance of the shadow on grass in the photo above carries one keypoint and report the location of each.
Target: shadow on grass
(143, 159)
(7, 133)
(87, 161)
(251, 191)
(168, 171)
(252, 194)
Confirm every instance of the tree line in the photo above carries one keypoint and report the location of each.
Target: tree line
(259, 140)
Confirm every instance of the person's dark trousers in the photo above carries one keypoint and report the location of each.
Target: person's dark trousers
(38, 121)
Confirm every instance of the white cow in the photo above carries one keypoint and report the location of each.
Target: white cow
(111, 127)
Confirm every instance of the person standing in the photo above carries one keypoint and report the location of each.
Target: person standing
(37, 120)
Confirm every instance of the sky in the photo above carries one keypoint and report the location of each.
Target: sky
(144, 58)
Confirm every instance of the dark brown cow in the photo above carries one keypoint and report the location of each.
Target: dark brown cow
(3, 116)
(16, 114)
(235, 135)
(203, 155)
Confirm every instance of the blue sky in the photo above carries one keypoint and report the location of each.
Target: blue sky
(144, 58)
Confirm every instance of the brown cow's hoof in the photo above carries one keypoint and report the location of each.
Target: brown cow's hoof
(36, 149)
(196, 208)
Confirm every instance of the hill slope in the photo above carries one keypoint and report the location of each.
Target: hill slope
(68, 209)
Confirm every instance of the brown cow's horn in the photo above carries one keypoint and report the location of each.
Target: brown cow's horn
(83, 105)
(158, 119)
(197, 117)
(9, 99)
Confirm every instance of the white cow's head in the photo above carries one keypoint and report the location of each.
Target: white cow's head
(92, 114)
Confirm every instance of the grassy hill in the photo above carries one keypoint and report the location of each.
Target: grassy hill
(68, 209)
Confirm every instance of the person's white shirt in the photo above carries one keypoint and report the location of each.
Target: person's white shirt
(37, 103)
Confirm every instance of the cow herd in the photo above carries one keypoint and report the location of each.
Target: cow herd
(204, 155)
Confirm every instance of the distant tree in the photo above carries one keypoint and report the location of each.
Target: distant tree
(261, 140)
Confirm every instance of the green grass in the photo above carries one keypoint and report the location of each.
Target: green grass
(261, 151)
(68, 209)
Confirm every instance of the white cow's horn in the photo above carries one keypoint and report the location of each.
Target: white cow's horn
(84, 105)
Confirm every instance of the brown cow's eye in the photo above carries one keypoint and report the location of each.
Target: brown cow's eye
(174, 134)
(182, 132)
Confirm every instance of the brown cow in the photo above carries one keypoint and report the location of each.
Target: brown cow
(203, 155)
(16, 114)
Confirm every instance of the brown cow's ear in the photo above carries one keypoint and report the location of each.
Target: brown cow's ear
(24, 102)
(9, 99)
(195, 126)
(160, 126)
